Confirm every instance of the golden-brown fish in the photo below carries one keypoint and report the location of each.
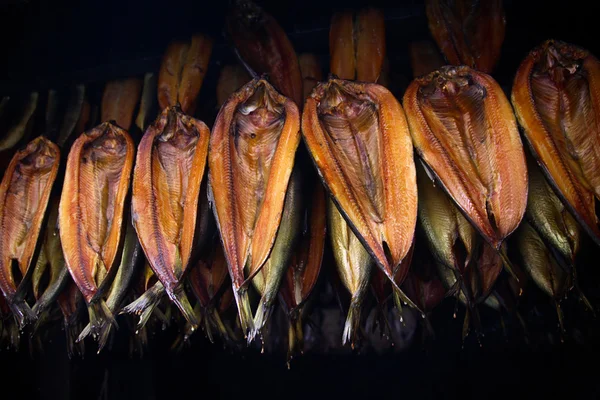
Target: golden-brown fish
(120, 100)
(357, 45)
(469, 32)
(548, 215)
(305, 266)
(91, 213)
(464, 130)
(424, 58)
(71, 303)
(168, 174)
(555, 96)
(312, 72)
(147, 102)
(358, 138)
(129, 258)
(268, 280)
(50, 265)
(231, 79)
(552, 278)
(265, 48)
(253, 145)
(182, 72)
(24, 195)
(207, 278)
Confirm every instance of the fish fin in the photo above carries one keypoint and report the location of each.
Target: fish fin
(263, 313)
(164, 317)
(101, 319)
(582, 296)
(145, 304)
(352, 322)
(507, 263)
(178, 297)
(454, 289)
(244, 310)
(402, 296)
(85, 332)
(466, 326)
(215, 319)
(23, 314)
(104, 335)
(398, 304)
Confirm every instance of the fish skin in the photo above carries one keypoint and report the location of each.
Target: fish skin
(72, 115)
(450, 112)
(18, 131)
(169, 75)
(389, 208)
(119, 101)
(268, 280)
(231, 79)
(264, 47)
(424, 287)
(548, 215)
(193, 72)
(370, 44)
(31, 173)
(71, 302)
(424, 58)
(248, 233)
(444, 226)
(91, 211)
(312, 72)
(306, 262)
(50, 115)
(357, 44)
(51, 256)
(342, 45)
(353, 264)
(147, 102)
(543, 269)
(130, 256)
(207, 278)
(468, 32)
(551, 123)
(165, 199)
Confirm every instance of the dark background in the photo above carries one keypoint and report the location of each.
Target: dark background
(58, 43)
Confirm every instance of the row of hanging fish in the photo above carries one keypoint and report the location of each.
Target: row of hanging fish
(197, 221)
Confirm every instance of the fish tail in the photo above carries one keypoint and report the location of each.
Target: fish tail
(508, 266)
(104, 335)
(263, 313)
(218, 322)
(208, 327)
(352, 321)
(244, 310)
(101, 320)
(41, 317)
(70, 337)
(585, 301)
(181, 301)
(295, 338)
(23, 314)
(145, 305)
